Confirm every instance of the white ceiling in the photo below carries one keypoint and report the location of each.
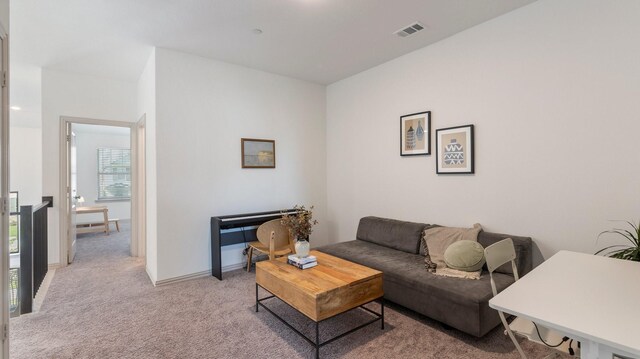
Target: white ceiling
(316, 40)
(322, 41)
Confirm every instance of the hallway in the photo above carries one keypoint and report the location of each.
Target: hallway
(85, 301)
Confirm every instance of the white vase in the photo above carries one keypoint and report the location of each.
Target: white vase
(302, 248)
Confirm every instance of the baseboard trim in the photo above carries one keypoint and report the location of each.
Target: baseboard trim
(43, 290)
(182, 278)
(202, 274)
(54, 266)
(146, 270)
(231, 267)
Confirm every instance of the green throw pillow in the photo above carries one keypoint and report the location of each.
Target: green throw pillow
(465, 255)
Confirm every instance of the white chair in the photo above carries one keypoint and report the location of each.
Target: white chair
(501, 253)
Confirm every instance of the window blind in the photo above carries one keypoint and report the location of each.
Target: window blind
(114, 173)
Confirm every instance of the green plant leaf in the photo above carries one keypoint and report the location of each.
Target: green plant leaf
(632, 237)
(609, 247)
(620, 232)
(627, 252)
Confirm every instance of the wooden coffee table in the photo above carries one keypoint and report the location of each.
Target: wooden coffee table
(332, 287)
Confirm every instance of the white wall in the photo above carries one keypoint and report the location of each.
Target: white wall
(553, 91)
(146, 94)
(26, 164)
(87, 144)
(203, 108)
(66, 94)
(26, 93)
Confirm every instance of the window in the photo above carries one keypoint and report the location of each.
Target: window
(14, 223)
(114, 173)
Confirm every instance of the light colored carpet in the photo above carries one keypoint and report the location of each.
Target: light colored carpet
(104, 306)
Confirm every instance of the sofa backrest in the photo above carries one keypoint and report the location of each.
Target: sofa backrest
(523, 246)
(400, 235)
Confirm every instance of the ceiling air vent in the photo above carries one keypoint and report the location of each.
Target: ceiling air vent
(410, 30)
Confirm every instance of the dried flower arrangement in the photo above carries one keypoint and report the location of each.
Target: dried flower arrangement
(299, 223)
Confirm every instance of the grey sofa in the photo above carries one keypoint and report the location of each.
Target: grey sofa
(394, 247)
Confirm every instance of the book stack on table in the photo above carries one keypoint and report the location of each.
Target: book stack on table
(302, 262)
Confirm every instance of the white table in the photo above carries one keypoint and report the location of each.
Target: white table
(593, 299)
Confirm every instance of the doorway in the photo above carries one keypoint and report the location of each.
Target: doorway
(100, 178)
(100, 172)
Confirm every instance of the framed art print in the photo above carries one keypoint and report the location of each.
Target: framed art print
(258, 153)
(454, 150)
(415, 134)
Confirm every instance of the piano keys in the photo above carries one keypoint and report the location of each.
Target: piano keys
(234, 229)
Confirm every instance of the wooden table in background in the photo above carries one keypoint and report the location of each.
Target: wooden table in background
(332, 287)
(93, 227)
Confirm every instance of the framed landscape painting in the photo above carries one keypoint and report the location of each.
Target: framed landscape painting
(415, 134)
(258, 153)
(454, 150)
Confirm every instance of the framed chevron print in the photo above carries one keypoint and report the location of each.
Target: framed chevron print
(454, 150)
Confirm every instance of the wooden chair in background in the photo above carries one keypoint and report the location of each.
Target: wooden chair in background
(273, 239)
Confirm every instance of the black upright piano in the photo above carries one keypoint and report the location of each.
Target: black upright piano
(235, 229)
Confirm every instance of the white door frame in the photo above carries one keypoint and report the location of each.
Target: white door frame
(4, 194)
(139, 180)
(63, 194)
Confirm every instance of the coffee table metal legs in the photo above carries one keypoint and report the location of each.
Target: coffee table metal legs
(379, 315)
(382, 313)
(317, 344)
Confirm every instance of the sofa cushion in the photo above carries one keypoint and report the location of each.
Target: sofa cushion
(523, 246)
(409, 269)
(462, 304)
(391, 233)
(465, 255)
(374, 256)
(438, 239)
(423, 245)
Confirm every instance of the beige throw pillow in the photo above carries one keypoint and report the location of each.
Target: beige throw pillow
(437, 239)
(424, 250)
